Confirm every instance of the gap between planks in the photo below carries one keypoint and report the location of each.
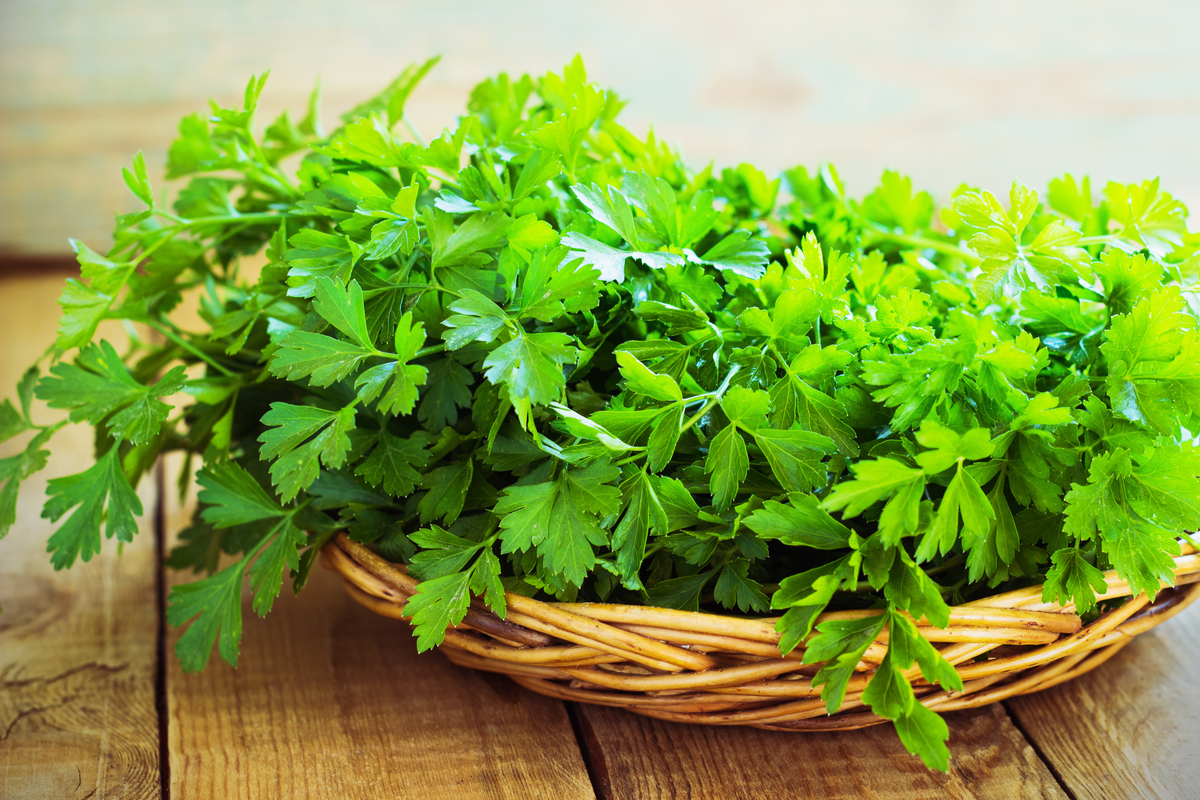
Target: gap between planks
(1058, 777)
(160, 668)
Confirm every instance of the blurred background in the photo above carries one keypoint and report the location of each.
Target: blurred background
(944, 90)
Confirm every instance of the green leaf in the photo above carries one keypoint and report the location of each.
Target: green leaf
(390, 236)
(924, 733)
(446, 492)
(396, 383)
(217, 600)
(948, 448)
(314, 255)
(640, 380)
(727, 464)
(664, 437)
(840, 643)
(876, 480)
(464, 244)
(963, 498)
(528, 233)
(909, 588)
(1072, 580)
(342, 307)
(906, 645)
(320, 358)
(79, 536)
(795, 625)
(1153, 376)
(485, 581)
(610, 262)
(894, 204)
(795, 457)
(530, 367)
(540, 167)
(393, 464)
(15, 469)
(477, 319)
(553, 286)
(738, 252)
(794, 401)
(609, 206)
(447, 389)
(561, 518)
(682, 593)
(98, 387)
(801, 523)
(584, 428)
(231, 496)
(644, 512)
(746, 408)
(83, 309)
(1147, 216)
(302, 439)
(438, 604)
(888, 693)
(12, 421)
(266, 575)
(1139, 547)
(734, 588)
(442, 553)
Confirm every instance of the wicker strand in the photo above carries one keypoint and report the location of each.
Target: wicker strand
(705, 668)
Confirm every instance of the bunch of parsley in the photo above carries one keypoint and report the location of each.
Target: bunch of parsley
(538, 354)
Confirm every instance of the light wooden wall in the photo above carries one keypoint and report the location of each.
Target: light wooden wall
(944, 90)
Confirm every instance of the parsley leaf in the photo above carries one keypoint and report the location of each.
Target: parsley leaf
(99, 388)
(560, 518)
(87, 492)
(300, 440)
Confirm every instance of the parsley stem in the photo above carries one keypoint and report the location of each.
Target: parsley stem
(1087, 240)
(925, 243)
(412, 128)
(156, 325)
(948, 564)
(428, 351)
(712, 401)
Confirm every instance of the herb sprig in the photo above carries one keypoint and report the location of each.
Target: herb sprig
(540, 354)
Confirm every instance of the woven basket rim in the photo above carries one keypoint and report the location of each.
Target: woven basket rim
(695, 666)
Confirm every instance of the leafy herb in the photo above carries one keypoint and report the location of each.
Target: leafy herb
(539, 353)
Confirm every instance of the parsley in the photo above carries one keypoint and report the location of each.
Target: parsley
(540, 353)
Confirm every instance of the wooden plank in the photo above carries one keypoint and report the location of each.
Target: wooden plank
(1130, 727)
(332, 700)
(636, 757)
(77, 649)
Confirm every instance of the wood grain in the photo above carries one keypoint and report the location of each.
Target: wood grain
(1131, 727)
(78, 648)
(332, 700)
(638, 758)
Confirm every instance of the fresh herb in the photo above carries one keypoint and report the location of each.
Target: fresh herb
(540, 354)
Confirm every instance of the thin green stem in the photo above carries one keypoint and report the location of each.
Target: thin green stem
(412, 129)
(630, 459)
(712, 401)
(428, 351)
(1089, 240)
(924, 243)
(188, 347)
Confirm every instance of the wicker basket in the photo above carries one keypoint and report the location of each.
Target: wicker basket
(704, 668)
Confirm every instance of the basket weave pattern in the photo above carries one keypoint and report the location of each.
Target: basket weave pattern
(705, 668)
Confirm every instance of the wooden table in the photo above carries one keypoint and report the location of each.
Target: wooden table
(331, 701)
